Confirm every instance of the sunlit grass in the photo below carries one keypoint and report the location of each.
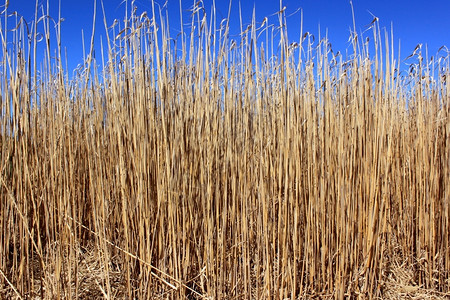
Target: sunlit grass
(233, 170)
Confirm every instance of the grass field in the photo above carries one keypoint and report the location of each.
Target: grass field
(234, 171)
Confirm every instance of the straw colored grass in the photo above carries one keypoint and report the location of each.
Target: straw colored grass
(228, 169)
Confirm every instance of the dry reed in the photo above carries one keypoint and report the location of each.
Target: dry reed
(235, 170)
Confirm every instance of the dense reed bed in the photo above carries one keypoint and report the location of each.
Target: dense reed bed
(236, 169)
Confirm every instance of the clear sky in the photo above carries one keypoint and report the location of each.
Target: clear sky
(414, 22)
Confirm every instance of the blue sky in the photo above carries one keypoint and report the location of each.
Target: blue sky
(414, 22)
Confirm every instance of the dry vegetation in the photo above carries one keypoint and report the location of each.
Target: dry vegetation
(232, 170)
